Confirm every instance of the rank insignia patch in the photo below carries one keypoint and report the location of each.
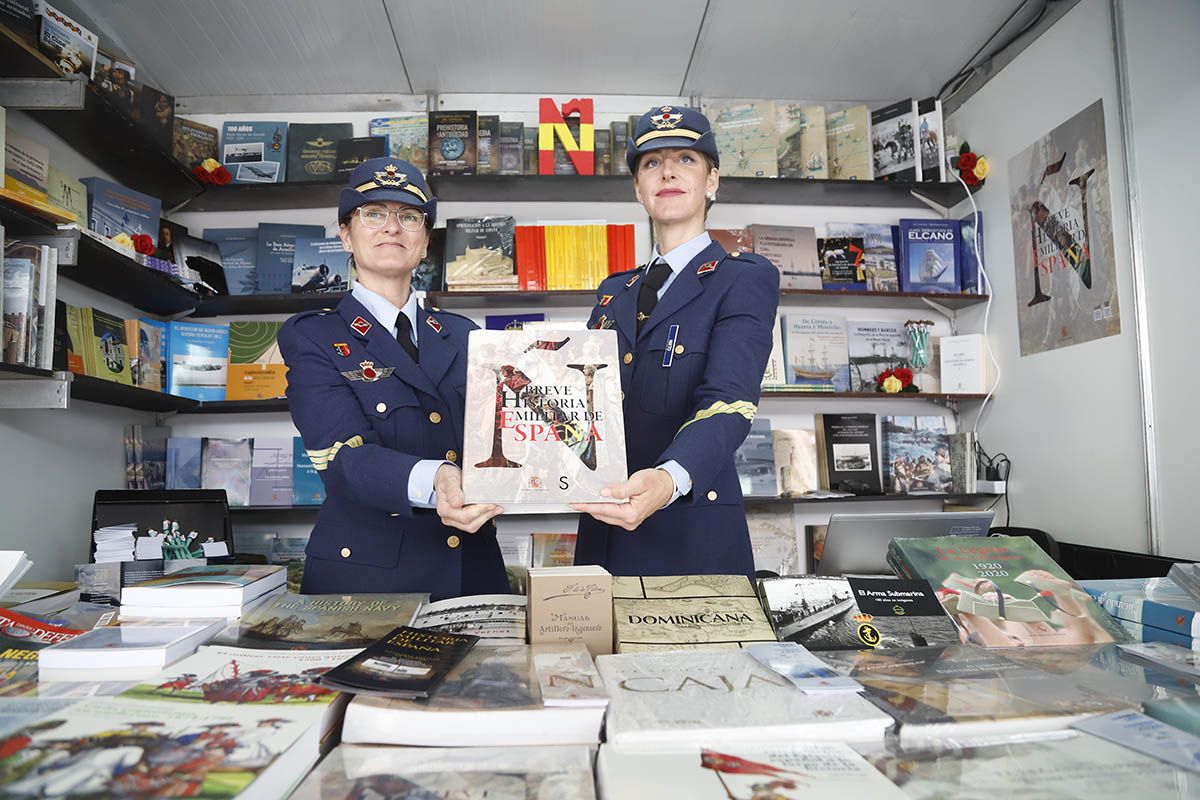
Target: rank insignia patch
(368, 372)
(605, 300)
(706, 267)
(360, 326)
(433, 323)
(632, 281)
(342, 349)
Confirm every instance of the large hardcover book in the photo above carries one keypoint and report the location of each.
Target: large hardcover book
(225, 464)
(1004, 591)
(930, 256)
(307, 487)
(855, 613)
(755, 461)
(275, 255)
(571, 605)
(453, 142)
(325, 621)
(516, 773)
(816, 353)
(931, 140)
(407, 137)
(114, 209)
(183, 462)
(544, 424)
(746, 137)
(1155, 602)
(493, 697)
(793, 251)
(198, 354)
(915, 455)
(312, 150)
(848, 453)
(675, 612)
(843, 265)
(479, 253)
(677, 700)
(796, 461)
(405, 663)
(875, 346)
(320, 265)
(109, 351)
(256, 370)
(271, 471)
(355, 150)
(512, 141)
(488, 151)
(894, 142)
(194, 142)
(198, 587)
(779, 771)
(848, 136)
(879, 252)
(255, 152)
(803, 151)
(238, 248)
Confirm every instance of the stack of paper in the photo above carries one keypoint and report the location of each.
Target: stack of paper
(13, 565)
(114, 543)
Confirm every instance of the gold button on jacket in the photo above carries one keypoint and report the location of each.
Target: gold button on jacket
(452, 455)
(453, 541)
(712, 495)
(435, 417)
(345, 552)
(381, 407)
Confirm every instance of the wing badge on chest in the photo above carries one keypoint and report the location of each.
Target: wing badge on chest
(368, 372)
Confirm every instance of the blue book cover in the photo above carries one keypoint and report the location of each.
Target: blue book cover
(307, 487)
(971, 225)
(276, 253)
(255, 152)
(1156, 602)
(238, 247)
(183, 462)
(510, 322)
(320, 265)
(113, 209)
(198, 357)
(929, 261)
(271, 471)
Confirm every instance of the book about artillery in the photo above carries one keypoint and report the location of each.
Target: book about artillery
(544, 425)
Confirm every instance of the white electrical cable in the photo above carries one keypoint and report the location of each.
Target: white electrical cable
(986, 285)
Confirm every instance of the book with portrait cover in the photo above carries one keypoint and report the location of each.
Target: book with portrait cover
(544, 424)
(894, 142)
(453, 142)
(407, 137)
(312, 150)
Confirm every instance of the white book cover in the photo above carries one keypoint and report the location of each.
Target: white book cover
(770, 771)
(775, 375)
(544, 424)
(1144, 734)
(774, 539)
(816, 351)
(963, 364)
(13, 565)
(488, 616)
(568, 677)
(796, 461)
(793, 251)
(679, 699)
(875, 346)
(215, 585)
(474, 773)
(129, 645)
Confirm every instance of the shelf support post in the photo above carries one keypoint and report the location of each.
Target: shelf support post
(36, 393)
(43, 94)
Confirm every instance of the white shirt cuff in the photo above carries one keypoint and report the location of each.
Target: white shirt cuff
(420, 483)
(683, 481)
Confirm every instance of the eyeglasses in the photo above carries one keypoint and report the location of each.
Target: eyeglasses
(375, 217)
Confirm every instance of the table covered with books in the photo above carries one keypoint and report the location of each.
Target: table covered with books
(982, 670)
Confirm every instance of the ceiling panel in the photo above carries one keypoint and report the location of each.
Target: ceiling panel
(593, 47)
(847, 50)
(242, 47)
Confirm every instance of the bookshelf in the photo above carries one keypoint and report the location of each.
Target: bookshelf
(110, 393)
(119, 276)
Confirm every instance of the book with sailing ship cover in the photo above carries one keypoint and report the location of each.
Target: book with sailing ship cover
(676, 612)
(407, 663)
(544, 424)
(324, 621)
(816, 354)
(803, 152)
(497, 619)
(1004, 591)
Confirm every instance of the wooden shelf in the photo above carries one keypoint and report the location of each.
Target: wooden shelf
(225, 305)
(589, 189)
(97, 390)
(119, 276)
(101, 132)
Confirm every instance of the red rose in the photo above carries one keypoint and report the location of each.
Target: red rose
(904, 375)
(883, 376)
(142, 243)
(967, 161)
(969, 177)
(221, 176)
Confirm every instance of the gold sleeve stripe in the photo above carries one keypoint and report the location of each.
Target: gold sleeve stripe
(321, 459)
(743, 407)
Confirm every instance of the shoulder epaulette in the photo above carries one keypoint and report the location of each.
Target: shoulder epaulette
(303, 315)
(443, 314)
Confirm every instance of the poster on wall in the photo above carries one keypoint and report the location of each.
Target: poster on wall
(1062, 236)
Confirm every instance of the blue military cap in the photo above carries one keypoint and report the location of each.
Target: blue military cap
(671, 126)
(387, 179)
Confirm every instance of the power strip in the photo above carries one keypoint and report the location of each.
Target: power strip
(991, 487)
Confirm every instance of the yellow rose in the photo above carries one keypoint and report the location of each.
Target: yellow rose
(892, 384)
(209, 164)
(982, 168)
(124, 239)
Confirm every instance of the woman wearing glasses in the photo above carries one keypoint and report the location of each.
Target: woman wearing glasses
(376, 388)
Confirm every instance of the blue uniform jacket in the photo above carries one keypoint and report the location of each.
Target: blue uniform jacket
(368, 414)
(690, 394)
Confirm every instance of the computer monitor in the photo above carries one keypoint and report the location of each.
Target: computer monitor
(856, 544)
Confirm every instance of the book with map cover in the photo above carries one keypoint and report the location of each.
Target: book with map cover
(848, 137)
(508, 773)
(673, 612)
(324, 621)
(746, 137)
(544, 424)
(803, 151)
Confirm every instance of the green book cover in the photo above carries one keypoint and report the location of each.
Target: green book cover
(1004, 591)
(110, 353)
(256, 369)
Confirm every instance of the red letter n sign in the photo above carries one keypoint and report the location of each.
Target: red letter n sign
(552, 125)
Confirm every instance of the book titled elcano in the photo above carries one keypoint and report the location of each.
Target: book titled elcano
(407, 663)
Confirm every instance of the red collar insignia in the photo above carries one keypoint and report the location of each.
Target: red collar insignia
(342, 349)
(706, 267)
(605, 300)
(433, 323)
(360, 326)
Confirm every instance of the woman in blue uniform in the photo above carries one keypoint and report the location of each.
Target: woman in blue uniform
(376, 388)
(694, 329)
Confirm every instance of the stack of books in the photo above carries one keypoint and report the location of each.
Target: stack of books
(132, 651)
(114, 543)
(201, 592)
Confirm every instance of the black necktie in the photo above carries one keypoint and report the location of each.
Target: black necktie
(404, 336)
(648, 294)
